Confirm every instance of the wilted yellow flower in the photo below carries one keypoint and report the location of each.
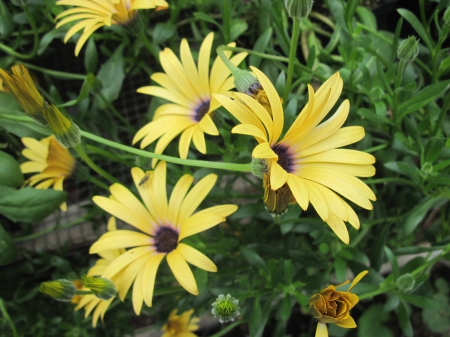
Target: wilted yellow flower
(21, 86)
(52, 162)
(180, 325)
(62, 127)
(95, 14)
(333, 306)
(308, 159)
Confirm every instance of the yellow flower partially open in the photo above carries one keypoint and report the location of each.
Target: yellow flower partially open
(52, 162)
(333, 306)
(91, 15)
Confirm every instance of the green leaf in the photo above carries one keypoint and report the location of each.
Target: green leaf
(201, 277)
(349, 13)
(91, 57)
(238, 26)
(6, 22)
(8, 251)
(417, 26)
(255, 318)
(249, 280)
(289, 271)
(340, 268)
(420, 301)
(47, 38)
(370, 322)
(433, 149)
(406, 169)
(367, 18)
(393, 260)
(206, 17)
(445, 64)
(10, 173)
(29, 204)
(163, 31)
(261, 46)
(91, 83)
(422, 98)
(373, 117)
(111, 74)
(416, 215)
(285, 308)
(253, 258)
(403, 320)
(411, 128)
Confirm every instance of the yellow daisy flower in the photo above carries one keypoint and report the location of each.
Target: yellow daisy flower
(98, 13)
(164, 224)
(91, 302)
(189, 87)
(180, 325)
(52, 162)
(308, 159)
(333, 306)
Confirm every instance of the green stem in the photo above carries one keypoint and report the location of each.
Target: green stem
(398, 81)
(117, 113)
(49, 230)
(79, 149)
(441, 116)
(35, 43)
(292, 57)
(151, 48)
(7, 318)
(59, 74)
(97, 182)
(382, 290)
(389, 180)
(376, 148)
(226, 20)
(186, 162)
(225, 59)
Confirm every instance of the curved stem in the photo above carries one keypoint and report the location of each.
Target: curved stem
(151, 48)
(292, 58)
(79, 149)
(186, 162)
(7, 318)
(59, 74)
(35, 42)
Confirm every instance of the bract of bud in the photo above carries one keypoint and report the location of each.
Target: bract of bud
(225, 308)
(243, 80)
(406, 282)
(298, 9)
(63, 128)
(276, 201)
(61, 290)
(259, 167)
(101, 287)
(408, 49)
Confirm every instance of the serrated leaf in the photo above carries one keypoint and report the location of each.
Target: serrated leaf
(29, 204)
(8, 251)
(10, 173)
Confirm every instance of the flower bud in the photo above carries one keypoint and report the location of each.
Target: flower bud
(61, 290)
(243, 79)
(406, 282)
(259, 167)
(408, 49)
(298, 9)
(101, 287)
(257, 92)
(63, 128)
(276, 201)
(225, 308)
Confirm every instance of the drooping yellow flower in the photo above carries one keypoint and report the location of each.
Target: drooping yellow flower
(52, 162)
(91, 302)
(190, 88)
(333, 306)
(308, 159)
(21, 86)
(93, 14)
(164, 225)
(180, 325)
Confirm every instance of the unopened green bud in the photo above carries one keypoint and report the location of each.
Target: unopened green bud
(66, 131)
(259, 167)
(298, 9)
(225, 308)
(408, 49)
(406, 282)
(61, 290)
(243, 80)
(101, 287)
(427, 168)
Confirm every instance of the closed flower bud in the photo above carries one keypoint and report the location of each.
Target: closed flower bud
(333, 306)
(63, 128)
(276, 201)
(225, 308)
(243, 80)
(298, 9)
(61, 290)
(259, 167)
(101, 287)
(406, 282)
(408, 49)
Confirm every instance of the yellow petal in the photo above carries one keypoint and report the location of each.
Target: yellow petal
(250, 130)
(321, 330)
(347, 323)
(339, 156)
(194, 257)
(264, 151)
(317, 199)
(138, 295)
(176, 198)
(299, 190)
(338, 227)
(204, 56)
(199, 223)
(182, 272)
(129, 274)
(119, 239)
(278, 176)
(199, 140)
(125, 259)
(358, 278)
(148, 280)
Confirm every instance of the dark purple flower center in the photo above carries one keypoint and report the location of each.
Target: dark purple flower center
(284, 157)
(166, 239)
(201, 110)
